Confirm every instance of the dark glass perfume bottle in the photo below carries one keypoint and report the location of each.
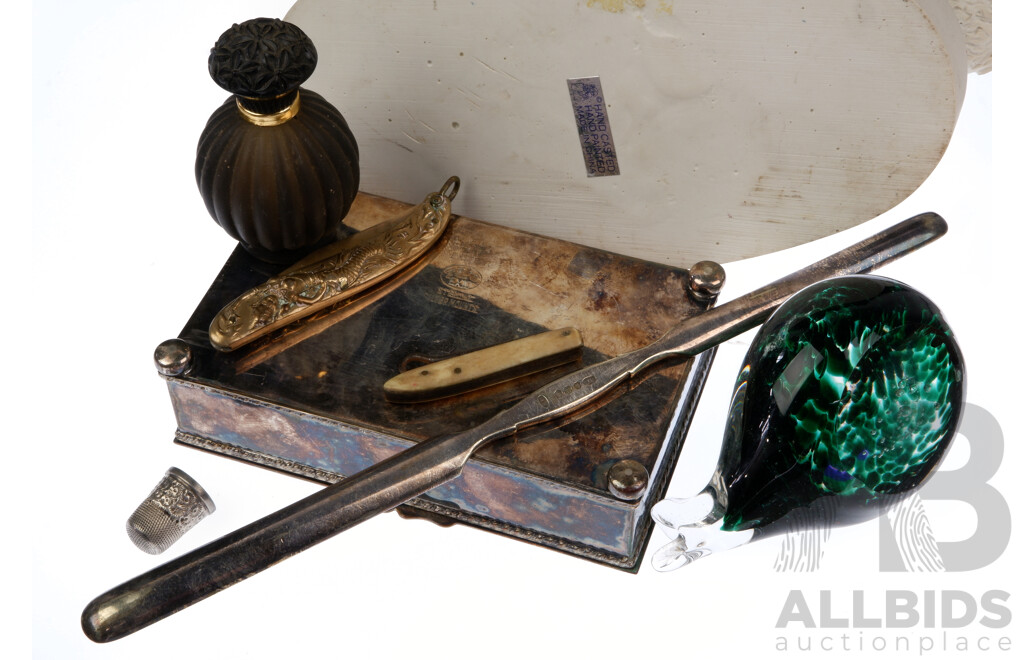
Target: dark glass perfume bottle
(847, 401)
(276, 164)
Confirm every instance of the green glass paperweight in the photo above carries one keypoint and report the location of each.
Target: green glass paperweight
(847, 401)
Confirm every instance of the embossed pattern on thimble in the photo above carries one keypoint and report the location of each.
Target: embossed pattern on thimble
(175, 506)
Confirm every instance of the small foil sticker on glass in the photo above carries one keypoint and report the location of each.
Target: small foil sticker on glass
(592, 122)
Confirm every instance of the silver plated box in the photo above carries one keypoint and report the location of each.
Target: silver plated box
(308, 400)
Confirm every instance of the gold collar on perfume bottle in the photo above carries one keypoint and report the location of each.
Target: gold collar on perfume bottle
(273, 119)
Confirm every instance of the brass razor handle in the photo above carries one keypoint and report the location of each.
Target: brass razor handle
(232, 558)
(335, 272)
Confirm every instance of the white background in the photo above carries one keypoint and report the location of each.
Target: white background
(122, 249)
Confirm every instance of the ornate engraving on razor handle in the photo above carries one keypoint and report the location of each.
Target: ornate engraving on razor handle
(335, 272)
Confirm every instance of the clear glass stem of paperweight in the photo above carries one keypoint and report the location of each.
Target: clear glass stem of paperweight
(696, 523)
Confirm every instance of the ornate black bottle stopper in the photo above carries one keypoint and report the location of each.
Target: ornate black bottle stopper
(276, 164)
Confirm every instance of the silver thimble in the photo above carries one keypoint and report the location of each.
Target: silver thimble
(174, 507)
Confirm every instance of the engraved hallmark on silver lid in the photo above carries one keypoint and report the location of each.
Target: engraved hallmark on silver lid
(591, 112)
